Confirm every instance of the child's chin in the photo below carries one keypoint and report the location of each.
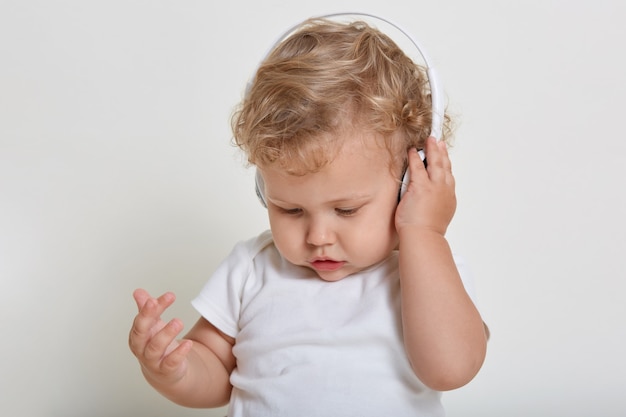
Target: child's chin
(334, 276)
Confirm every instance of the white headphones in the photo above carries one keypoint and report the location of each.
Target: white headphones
(436, 92)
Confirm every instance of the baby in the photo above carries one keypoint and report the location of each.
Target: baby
(352, 304)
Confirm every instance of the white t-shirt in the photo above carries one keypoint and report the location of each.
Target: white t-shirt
(306, 347)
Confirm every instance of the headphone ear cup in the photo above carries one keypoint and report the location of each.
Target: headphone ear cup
(405, 176)
(259, 185)
(404, 184)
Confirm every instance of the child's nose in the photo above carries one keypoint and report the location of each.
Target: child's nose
(320, 233)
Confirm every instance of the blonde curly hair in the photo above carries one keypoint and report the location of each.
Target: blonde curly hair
(326, 79)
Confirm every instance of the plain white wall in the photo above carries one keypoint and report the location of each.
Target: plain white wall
(116, 172)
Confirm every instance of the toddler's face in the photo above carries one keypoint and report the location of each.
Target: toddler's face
(339, 220)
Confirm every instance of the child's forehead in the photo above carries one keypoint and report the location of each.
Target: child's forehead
(345, 145)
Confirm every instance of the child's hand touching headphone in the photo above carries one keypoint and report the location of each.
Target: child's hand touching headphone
(429, 202)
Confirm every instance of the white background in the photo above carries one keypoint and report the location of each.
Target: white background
(117, 172)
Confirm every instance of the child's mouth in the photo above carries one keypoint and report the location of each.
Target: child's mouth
(327, 265)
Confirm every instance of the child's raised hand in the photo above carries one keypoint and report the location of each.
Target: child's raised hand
(430, 199)
(153, 341)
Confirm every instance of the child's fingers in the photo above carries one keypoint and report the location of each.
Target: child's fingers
(439, 165)
(446, 175)
(157, 346)
(416, 165)
(144, 324)
(171, 363)
(156, 306)
(141, 296)
(446, 163)
(433, 153)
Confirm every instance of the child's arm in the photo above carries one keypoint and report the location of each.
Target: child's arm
(445, 337)
(194, 371)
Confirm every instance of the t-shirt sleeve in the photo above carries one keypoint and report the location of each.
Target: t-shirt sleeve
(219, 301)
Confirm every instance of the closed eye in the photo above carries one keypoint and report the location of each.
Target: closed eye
(346, 211)
(292, 212)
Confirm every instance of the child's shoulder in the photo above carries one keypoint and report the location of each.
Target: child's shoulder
(246, 253)
(250, 248)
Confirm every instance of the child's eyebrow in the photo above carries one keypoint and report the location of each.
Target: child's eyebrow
(351, 199)
(354, 199)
